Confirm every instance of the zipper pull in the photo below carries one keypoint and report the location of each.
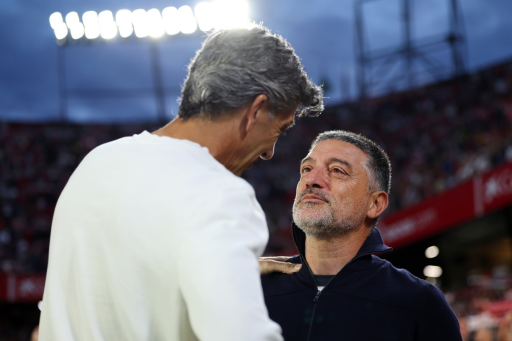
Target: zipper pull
(316, 297)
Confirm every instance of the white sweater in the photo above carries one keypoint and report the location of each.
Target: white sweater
(153, 239)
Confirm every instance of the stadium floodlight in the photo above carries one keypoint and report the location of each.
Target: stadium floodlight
(72, 19)
(171, 20)
(124, 22)
(432, 271)
(59, 27)
(61, 31)
(108, 26)
(140, 23)
(75, 26)
(206, 15)
(92, 26)
(156, 24)
(432, 252)
(77, 31)
(204, 12)
(188, 23)
(56, 20)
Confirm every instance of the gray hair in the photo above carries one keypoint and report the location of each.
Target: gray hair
(378, 165)
(235, 66)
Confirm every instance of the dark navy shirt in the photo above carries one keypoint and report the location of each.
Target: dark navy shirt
(368, 300)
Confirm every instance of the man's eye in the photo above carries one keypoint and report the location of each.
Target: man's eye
(337, 170)
(306, 169)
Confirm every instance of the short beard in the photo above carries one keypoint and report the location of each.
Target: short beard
(325, 222)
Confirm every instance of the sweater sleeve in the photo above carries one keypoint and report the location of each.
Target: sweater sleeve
(436, 319)
(219, 274)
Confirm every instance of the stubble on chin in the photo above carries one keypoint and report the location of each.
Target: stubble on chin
(324, 220)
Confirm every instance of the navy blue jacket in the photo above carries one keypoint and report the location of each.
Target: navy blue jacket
(368, 300)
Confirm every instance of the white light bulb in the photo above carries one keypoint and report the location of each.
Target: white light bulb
(432, 271)
(140, 23)
(77, 31)
(205, 15)
(171, 20)
(61, 31)
(123, 17)
(92, 26)
(432, 252)
(108, 27)
(155, 22)
(124, 22)
(56, 20)
(90, 18)
(72, 19)
(105, 18)
(188, 23)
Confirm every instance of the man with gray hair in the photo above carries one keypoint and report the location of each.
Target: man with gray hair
(155, 236)
(344, 292)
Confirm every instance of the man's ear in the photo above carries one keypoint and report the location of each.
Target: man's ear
(255, 112)
(378, 203)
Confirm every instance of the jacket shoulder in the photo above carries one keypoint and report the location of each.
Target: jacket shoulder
(407, 290)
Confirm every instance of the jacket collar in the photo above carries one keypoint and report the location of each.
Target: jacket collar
(373, 243)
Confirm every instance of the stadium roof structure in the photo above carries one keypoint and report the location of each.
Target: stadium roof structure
(414, 61)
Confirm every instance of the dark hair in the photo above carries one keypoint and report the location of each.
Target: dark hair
(378, 164)
(235, 66)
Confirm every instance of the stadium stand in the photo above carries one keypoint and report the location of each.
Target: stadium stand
(437, 137)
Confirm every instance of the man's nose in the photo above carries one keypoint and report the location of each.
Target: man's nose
(315, 178)
(267, 155)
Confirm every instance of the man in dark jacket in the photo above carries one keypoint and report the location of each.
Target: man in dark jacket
(343, 291)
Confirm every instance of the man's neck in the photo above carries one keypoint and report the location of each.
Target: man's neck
(328, 257)
(214, 135)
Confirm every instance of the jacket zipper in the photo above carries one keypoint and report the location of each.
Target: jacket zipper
(317, 296)
(315, 300)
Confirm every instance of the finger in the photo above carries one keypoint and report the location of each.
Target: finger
(277, 258)
(269, 266)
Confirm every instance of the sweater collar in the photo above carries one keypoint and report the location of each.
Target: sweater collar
(373, 243)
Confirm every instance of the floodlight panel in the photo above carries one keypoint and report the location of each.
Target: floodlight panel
(108, 31)
(125, 31)
(155, 23)
(61, 31)
(205, 15)
(56, 20)
(72, 19)
(90, 18)
(77, 31)
(171, 20)
(105, 18)
(124, 22)
(123, 17)
(92, 31)
(140, 23)
(188, 23)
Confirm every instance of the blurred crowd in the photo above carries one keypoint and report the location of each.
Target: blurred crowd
(436, 136)
(484, 307)
(36, 160)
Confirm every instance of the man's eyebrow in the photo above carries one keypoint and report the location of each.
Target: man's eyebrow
(309, 158)
(343, 162)
(287, 126)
